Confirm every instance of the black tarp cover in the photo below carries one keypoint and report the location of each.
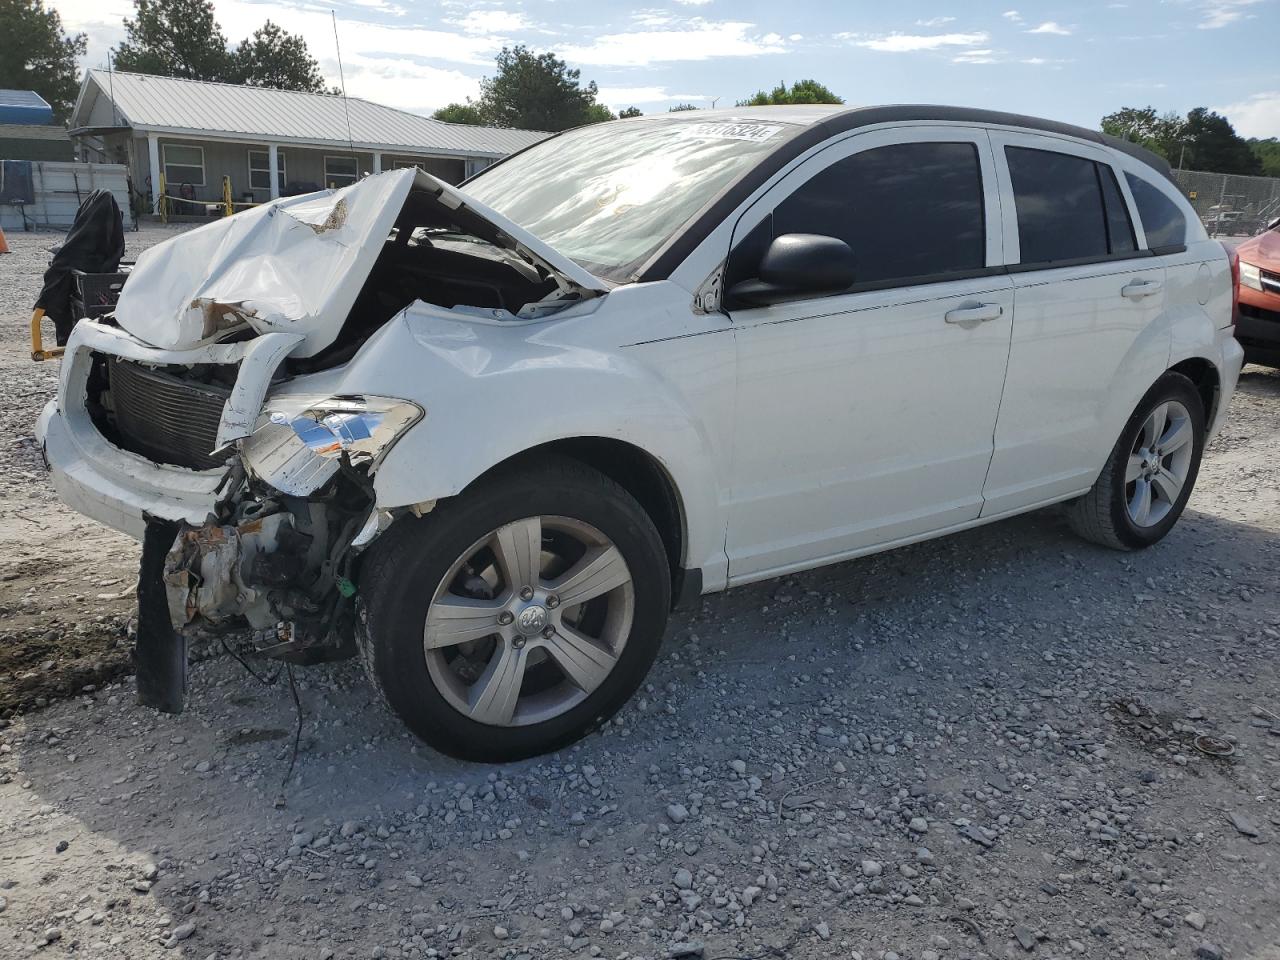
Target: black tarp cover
(94, 244)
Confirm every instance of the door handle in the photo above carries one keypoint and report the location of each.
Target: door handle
(1137, 289)
(974, 313)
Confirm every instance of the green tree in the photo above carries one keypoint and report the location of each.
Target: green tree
(681, 108)
(1268, 154)
(460, 113)
(175, 38)
(36, 55)
(630, 112)
(599, 113)
(1164, 134)
(537, 92)
(802, 91)
(1213, 145)
(275, 58)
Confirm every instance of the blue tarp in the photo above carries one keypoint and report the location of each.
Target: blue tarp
(24, 106)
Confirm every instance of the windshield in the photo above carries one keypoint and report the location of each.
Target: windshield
(609, 195)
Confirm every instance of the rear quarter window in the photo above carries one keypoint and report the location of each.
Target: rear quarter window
(1163, 222)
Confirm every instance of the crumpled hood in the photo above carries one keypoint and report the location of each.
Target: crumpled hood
(298, 263)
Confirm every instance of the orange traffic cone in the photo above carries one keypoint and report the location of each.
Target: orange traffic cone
(4, 244)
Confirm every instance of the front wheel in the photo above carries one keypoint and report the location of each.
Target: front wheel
(516, 618)
(1149, 476)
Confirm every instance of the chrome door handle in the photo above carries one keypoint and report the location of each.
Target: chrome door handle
(974, 313)
(1137, 289)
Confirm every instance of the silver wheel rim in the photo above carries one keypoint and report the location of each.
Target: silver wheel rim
(1159, 464)
(529, 621)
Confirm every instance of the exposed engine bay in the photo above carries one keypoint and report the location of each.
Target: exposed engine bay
(296, 503)
(280, 563)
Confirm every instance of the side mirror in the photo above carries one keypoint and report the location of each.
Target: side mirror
(798, 265)
(1274, 224)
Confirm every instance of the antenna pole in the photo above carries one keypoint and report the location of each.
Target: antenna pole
(346, 106)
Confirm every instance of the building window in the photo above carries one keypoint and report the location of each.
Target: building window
(402, 164)
(340, 171)
(260, 169)
(183, 164)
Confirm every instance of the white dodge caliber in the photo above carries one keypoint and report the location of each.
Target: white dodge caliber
(485, 437)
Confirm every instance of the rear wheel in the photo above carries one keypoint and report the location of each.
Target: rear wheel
(1149, 476)
(516, 618)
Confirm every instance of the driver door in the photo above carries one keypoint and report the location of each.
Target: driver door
(866, 418)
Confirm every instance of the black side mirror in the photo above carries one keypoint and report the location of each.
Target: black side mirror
(798, 265)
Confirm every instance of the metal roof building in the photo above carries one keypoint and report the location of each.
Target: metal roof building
(266, 141)
(24, 107)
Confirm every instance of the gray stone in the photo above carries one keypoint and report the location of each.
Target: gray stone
(1026, 938)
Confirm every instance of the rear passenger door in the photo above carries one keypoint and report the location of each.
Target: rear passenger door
(1084, 296)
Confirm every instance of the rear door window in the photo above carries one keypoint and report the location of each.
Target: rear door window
(1060, 206)
(909, 211)
(1162, 221)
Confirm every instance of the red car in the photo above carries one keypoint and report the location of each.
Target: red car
(1258, 325)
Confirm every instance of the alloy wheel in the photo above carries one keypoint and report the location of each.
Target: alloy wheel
(529, 621)
(1159, 463)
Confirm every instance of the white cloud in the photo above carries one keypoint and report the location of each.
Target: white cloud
(492, 21)
(976, 56)
(912, 43)
(382, 6)
(1013, 16)
(694, 3)
(623, 97)
(935, 21)
(394, 63)
(1220, 13)
(693, 39)
(1052, 27)
(1255, 116)
(404, 83)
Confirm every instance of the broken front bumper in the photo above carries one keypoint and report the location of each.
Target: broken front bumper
(120, 488)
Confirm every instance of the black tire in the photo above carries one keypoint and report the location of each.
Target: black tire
(403, 568)
(1102, 515)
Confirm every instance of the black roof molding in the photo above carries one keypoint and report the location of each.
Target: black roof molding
(673, 253)
(867, 116)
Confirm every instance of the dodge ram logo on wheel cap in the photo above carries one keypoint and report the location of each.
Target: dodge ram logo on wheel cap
(532, 619)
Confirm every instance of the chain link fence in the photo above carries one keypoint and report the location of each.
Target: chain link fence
(1229, 205)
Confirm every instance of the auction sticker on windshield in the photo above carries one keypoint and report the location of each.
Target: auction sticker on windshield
(755, 132)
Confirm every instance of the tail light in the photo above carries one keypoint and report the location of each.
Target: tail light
(1234, 259)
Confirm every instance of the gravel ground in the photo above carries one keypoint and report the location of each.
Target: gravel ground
(983, 746)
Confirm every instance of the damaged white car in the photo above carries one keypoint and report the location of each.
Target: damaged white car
(486, 436)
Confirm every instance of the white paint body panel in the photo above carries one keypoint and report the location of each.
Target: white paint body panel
(863, 418)
(794, 435)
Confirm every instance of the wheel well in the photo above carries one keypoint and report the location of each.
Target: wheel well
(1204, 375)
(636, 471)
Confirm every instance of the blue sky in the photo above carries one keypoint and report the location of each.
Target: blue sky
(1062, 60)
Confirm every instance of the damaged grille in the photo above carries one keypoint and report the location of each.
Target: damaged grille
(164, 417)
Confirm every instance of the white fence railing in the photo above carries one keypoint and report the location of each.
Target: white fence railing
(59, 188)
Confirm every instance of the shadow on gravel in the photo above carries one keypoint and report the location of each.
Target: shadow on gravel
(198, 789)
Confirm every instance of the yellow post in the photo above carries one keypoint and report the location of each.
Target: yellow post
(227, 208)
(162, 202)
(38, 352)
